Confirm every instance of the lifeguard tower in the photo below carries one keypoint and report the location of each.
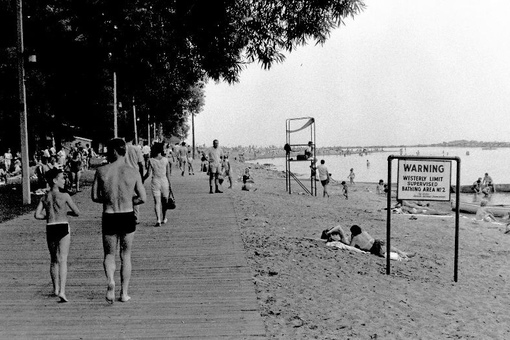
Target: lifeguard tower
(294, 125)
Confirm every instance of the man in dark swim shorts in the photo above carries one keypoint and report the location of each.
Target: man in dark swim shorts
(119, 223)
(119, 188)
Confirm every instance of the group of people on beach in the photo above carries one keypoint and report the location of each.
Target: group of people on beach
(362, 240)
(484, 186)
(118, 186)
(325, 178)
(10, 165)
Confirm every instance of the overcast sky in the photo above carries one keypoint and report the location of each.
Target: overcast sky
(401, 72)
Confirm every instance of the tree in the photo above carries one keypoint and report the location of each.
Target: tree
(162, 51)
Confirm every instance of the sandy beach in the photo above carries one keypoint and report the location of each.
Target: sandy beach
(307, 290)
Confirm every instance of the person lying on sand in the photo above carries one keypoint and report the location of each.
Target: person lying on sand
(482, 214)
(362, 240)
(409, 207)
(335, 237)
(335, 234)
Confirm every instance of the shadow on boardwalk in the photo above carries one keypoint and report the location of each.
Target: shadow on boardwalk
(190, 277)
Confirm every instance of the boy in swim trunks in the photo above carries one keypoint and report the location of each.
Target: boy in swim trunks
(53, 207)
(119, 188)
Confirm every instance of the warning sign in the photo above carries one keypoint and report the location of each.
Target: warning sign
(424, 180)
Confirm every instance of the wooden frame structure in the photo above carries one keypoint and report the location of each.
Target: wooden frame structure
(309, 122)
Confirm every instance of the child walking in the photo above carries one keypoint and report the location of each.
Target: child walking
(53, 208)
(345, 190)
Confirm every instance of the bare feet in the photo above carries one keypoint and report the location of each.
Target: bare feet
(110, 293)
(63, 298)
(125, 298)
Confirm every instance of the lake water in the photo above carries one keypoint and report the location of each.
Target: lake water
(495, 162)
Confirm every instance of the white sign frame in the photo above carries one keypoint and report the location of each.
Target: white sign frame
(424, 180)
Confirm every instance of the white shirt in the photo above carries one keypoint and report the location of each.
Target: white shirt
(323, 172)
(215, 155)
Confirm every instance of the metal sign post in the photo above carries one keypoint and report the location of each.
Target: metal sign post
(427, 179)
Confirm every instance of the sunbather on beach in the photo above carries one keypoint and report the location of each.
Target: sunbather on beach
(482, 214)
(410, 207)
(335, 234)
(362, 240)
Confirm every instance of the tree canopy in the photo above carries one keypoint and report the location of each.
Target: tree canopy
(162, 51)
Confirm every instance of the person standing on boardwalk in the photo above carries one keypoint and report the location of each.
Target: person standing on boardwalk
(76, 166)
(146, 151)
(323, 177)
(159, 166)
(191, 171)
(227, 170)
(182, 156)
(119, 188)
(53, 208)
(215, 154)
(134, 159)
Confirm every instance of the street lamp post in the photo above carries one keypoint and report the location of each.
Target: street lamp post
(193, 132)
(134, 121)
(23, 107)
(115, 131)
(148, 129)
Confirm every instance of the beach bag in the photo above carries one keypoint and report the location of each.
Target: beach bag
(170, 202)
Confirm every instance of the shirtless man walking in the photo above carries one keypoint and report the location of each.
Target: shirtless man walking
(182, 155)
(215, 155)
(119, 188)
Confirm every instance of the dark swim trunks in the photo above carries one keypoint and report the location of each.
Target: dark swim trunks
(119, 223)
(55, 232)
(378, 248)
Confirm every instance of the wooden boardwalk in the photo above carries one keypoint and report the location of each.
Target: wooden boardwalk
(190, 277)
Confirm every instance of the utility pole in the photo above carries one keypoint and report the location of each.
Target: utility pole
(149, 130)
(193, 133)
(134, 121)
(23, 107)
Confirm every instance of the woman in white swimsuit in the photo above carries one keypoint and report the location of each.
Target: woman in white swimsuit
(159, 166)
